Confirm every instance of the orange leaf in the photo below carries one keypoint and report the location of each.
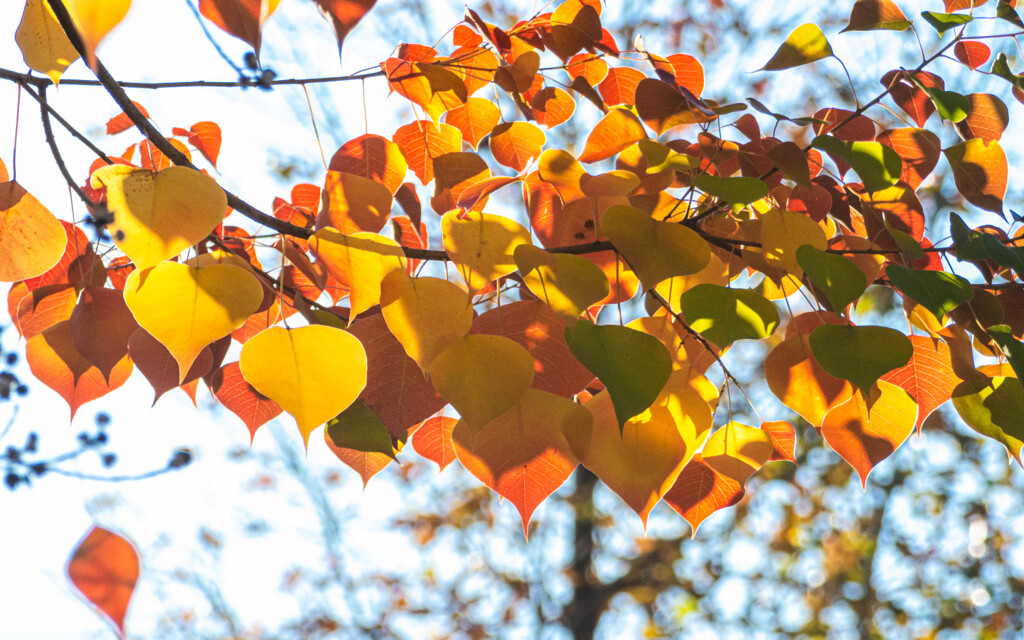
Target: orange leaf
(433, 87)
(687, 71)
(345, 14)
(909, 97)
(619, 86)
(422, 141)
(475, 119)
(204, 136)
(159, 367)
(241, 398)
(373, 157)
(552, 106)
(475, 65)
(353, 203)
(661, 106)
(121, 122)
(783, 438)
(41, 308)
(366, 463)
(56, 362)
(433, 440)
(94, 19)
(396, 389)
(154, 159)
(700, 491)
(453, 174)
(31, 242)
(539, 329)
(987, 118)
(516, 144)
(800, 383)
(101, 326)
(919, 149)
(574, 25)
(866, 432)
(587, 66)
(241, 18)
(104, 568)
(928, 377)
(524, 454)
(616, 131)
(972, 53)
(980, 172)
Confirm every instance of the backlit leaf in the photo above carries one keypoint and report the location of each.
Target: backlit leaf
(783, 233)
(186, 307)
(943, 22)
(372, 157)
(928, 377)
(353, 203)
(516, 144)
(980, 172)
(433, 440)
(804, 45)
(615, 131)
(700, 491)
(918, 149)
(39, 309)
(482, 245)
(938, 291)
(43, 43)
(619, 86)
(159, 367)
(361, 442)
(633, 366)
(94, 19)
(869, 15)
(55, 362)
(972, 53)
(344, 15)
(568, 284)
(482, 376)
(724, 315)
(861, 355)
(159, 215)
(661, 106)
(104, 568)
(101, 326)
(866, 432)
(783, 439)
(32, 240)
(551, 106)
(837, 277)
(422, 141)
(737, 450)
(877, 165)
(454, 173)
(987, 118)
(241, 18)
(655, 250)
(523, 454)
(641, 460)
(313, 372)
(800, 383)
(242, 399)
(206, 137)
(991, 406)
(359, 262)
(475, 120)
(427, 315)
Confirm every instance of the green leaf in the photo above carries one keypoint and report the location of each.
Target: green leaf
(805, 45)
(877, 165)
(724, 315)
(726, 109)
(967, 241)
(1001, 68)
(938, 291)
(950, 105)
(837, 277)
(660, 158)
(1011, 346)
(633, 365)
(861, 355)
(1006, 12)
(735, 191)
(910, 247)
(943, 22)
(655, 250)
(802, 121)
(992, 407)
(359, 428)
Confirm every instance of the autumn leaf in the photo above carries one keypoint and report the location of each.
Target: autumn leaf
(31, 238)
(344, 15)
(42, 41)
(804, 45)
(241, 18)
(94, 19)
(242, 399)
(482, 245)
(104, 568)
(433, 440)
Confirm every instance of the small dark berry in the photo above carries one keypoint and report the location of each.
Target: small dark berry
(101, 438)
(21, 390)
(182, 457)
(102, 419)
(11, 480)
(250, 61)
(109, 460)
(39, 468)
(12, 358)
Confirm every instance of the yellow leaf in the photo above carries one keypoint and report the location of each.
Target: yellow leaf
(32, 240)
(95, 19)
(482, 376)
(427, 315)
(716, 272)
(806, 44)
(568, 284)
(737, 450)
(655, 250)
(643, 463)
(42, 41)
(560, 169)
(186, 308)
(359, 261)
(159, 215)
(481, 245)
(783, 232)
(313, 372)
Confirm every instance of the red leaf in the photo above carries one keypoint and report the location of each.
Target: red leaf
(433, 440)
(78, 265)
(204, 136)
(241, 399)
(42, 308)
(919, 149)
(345, 14)
(396, 390)
(101, 326)
(987, 118)
(909, 97)
(241, 18)
(371, 156)
(928, 377)
(104, 568)
(972, 53)
(159, 367)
